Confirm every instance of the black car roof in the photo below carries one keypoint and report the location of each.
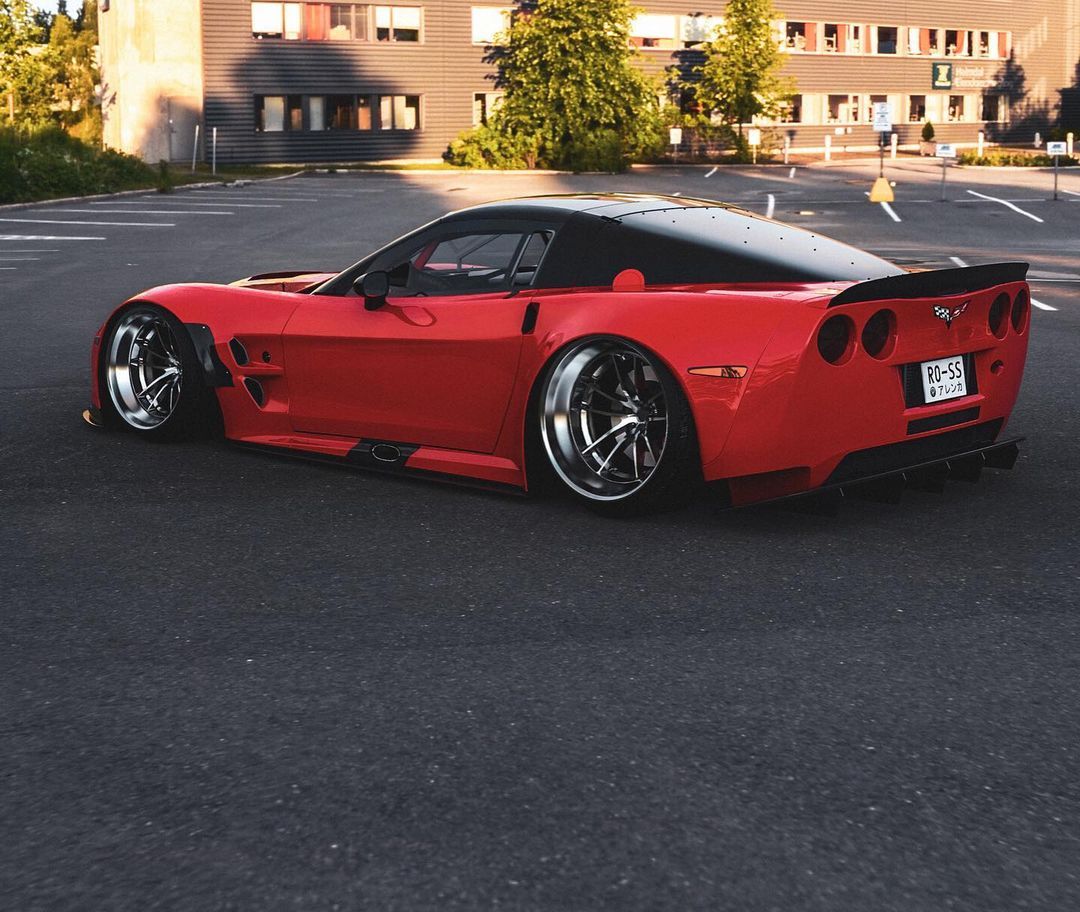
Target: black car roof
(561, 206)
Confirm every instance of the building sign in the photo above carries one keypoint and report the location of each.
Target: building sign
(963, 76)
(942, 78)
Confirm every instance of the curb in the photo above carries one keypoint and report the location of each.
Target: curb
(119, 194)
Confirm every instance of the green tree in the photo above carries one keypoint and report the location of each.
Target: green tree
(573, 93)
(24, 78)
(740, 78)
(70, 56)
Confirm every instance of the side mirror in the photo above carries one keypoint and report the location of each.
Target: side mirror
(373, 287)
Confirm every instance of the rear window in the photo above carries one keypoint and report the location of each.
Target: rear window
(702, 245)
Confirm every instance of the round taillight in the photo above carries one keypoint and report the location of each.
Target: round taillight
(1020, 309)
(997, 321)
(879, 334)
(834, 339)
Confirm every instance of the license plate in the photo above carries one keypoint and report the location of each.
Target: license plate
(943, 379)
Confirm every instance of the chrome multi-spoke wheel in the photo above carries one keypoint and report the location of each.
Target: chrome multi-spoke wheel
(144, 369)
(605, 419)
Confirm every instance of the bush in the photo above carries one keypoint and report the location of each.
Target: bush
(486, 147)
(49, 163)
(1015, 159)
(927, 132)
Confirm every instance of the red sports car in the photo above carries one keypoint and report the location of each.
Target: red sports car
(627, 348)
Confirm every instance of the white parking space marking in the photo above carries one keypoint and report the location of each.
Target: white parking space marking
(7, 259)
(116, 224)
(142, 211)
(186, 203)
(791, 174)
(714, 170)
(258, 199)
(46, 237)
(771, 208)
(1071, 192)
(9, 268)
(1039, 304)
(888, 209)
(1007, 203)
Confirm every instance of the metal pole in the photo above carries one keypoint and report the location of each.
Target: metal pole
(195, 150)
(881, 155)
(944, 167)
(214, 166)
(1056, 157)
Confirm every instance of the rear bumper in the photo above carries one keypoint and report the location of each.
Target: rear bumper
(883, 473)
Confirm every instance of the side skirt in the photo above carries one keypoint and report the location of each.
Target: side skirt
(372, 456)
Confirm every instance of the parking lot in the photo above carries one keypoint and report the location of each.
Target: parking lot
(232, 681)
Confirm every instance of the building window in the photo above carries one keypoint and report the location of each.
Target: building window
(799, 36)
(399, 112)
(699, 29)
(649, 31)
(484, 105)
(887, 39)
(791, 110)
(488, 22)
(277, 20)
(278, 113)
(397, 23)
(916, 108)
(317, 112)
(956, 109)
(956, 43)
(991, 108)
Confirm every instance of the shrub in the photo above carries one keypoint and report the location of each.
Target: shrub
(49, 163)
(486, 147)
(1015, 159)
(927, 132)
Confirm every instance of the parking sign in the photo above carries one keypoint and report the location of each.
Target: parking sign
(1057, 148)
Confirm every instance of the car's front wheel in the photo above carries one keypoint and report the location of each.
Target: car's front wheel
(151, 379)
(616, 428)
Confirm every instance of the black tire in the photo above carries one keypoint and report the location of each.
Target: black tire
(642, 473)
(162, 342)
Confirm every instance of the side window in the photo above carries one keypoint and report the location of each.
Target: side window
(530, 258)
(464, 264)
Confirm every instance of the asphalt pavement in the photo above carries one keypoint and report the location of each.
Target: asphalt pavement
(237, 682)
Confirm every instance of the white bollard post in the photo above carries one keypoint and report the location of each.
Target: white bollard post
(1069, 142)
(195, 149)
(787, 148)
(828, 148)
(982, 139)
(894, 141)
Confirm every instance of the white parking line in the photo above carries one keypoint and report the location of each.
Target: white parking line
(9, 268)
(6, 259)
(186, 203)
(1039, 304)
(791, 174)
(118, 224)
(47, 237)
(1015, 208)
(257, 199)
(888, 209)
(1071, 192)
(142, 211)
(714, 170)
(771, 208)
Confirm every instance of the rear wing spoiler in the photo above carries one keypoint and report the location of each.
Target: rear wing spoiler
(933, 283)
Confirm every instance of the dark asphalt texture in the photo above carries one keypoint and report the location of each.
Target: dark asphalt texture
(237, 682)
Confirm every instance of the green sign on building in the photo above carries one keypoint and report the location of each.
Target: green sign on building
(943, 76)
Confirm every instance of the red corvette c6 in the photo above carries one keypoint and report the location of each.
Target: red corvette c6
(627, 348)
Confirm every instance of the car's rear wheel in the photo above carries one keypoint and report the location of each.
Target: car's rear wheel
(617, 429)
(151, 379)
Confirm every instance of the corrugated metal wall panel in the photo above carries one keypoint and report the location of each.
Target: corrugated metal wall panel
(446, 69)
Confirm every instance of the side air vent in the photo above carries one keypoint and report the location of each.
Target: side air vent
(238, 351)
(257, 393)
